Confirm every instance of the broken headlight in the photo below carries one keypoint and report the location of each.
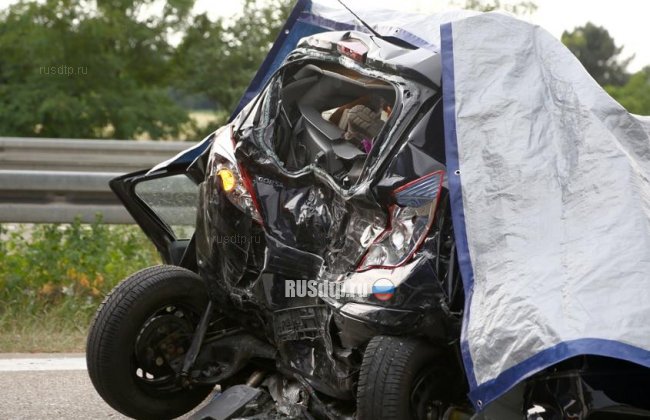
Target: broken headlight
(237, 188)
(410, 221)
(231, 178)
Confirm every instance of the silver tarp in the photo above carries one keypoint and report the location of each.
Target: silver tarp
(550, 180)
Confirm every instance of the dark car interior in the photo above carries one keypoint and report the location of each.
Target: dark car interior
(328, 116)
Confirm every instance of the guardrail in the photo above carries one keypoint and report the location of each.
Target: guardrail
(84, 155)
(56, 180)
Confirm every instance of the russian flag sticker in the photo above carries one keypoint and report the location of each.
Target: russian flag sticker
(383, 289)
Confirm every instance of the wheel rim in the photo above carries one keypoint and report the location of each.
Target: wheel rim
(427, 398)
(160, 348)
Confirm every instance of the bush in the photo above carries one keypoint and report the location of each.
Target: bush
(53, 277)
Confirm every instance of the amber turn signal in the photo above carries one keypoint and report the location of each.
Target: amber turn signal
(228, 181)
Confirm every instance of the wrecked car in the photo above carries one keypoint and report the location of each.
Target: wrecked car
(322, 268)
(399, 221)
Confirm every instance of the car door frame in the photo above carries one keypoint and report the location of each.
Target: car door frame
(191, 163)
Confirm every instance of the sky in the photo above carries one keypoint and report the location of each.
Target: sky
(626, 20)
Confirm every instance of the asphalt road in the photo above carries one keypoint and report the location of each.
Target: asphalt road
(49, 387)
(45, 387)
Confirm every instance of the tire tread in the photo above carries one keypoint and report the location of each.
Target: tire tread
(106, 327)
(386, 363)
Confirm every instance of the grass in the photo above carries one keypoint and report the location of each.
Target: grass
(53, 277)
(53, 332)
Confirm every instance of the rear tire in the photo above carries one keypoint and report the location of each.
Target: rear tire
(402, 378)
(153, 309)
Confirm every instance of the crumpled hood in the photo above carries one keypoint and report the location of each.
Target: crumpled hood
(550, 184)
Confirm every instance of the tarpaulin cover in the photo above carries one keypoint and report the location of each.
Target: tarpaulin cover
(550, 180)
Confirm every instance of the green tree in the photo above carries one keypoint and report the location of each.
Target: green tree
(598, 52)
(71, 68)
(635, 94)
(518, 8)
(219, 60)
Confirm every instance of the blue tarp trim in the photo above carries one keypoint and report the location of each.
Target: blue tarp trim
(487, 392)
(455, 192)
(491, 390)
